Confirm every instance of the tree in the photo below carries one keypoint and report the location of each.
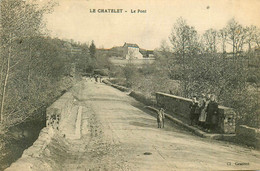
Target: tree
(222, 34)
(165, 57)
(19, 21)
(92, 50)
(85, 59)
(236, 34)
(184, 39)
(256, 37)
(210, 40)
(103, 61)
(252, 37)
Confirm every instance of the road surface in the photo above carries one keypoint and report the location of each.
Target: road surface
(114, 132)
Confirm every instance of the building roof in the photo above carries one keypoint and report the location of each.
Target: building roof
(131, 45)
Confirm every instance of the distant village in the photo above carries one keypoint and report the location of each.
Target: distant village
(120, 55)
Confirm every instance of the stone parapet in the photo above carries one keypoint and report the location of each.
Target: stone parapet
(180, 106)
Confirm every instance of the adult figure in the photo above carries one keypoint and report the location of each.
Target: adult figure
(212, 114)
(194, 111)
(202, 106)
(96, 78)
(208, 117)
(206, 124)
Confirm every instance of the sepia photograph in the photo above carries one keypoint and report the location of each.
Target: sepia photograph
(129, 85)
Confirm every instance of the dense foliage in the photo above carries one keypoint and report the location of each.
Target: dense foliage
(34, 68)
(195, 64)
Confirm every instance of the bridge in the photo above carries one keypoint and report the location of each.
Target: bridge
(102, 128)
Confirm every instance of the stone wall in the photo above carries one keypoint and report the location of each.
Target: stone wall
(180, 106)
(60, 107)
(142, 98)
(248, 135)
(135, 94)
(174, 104)
(33, 157)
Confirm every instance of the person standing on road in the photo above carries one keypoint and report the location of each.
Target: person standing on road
(163, 116)
(212, 114)
(96, 78)
(159, 118)
(193, 111)
(202, 117)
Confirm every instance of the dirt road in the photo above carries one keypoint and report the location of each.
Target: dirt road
(117, 134)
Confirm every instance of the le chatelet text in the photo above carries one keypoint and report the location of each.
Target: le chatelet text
(106, 10)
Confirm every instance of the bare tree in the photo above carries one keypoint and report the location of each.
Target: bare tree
(237, 35)
(222, 34)
(19, 20)
(184, 39)
(210, 40)
(256, 37)
(252, 38)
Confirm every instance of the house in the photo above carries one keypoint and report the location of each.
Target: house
(131, 51)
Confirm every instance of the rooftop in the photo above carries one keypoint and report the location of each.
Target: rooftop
(131, 45)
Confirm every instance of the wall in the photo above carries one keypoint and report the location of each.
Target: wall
(174, 104)
(37, 156)
(134, 53)
(137, 95)
(28, 160)
(180, 106)
(142, 98)
(249, 136)
(60, 107)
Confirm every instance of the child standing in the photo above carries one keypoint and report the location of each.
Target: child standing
(163, 116)
(159, 119)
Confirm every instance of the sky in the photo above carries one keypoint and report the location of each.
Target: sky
(72, 19)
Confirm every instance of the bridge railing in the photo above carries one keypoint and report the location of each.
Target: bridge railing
(180, 106)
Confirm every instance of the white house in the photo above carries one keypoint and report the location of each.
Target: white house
(131, 51)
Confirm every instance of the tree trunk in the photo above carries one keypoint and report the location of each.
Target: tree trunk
(2, 72)
(5, 85)
(1, 83)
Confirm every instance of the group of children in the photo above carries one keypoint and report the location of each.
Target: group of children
(204, 112)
